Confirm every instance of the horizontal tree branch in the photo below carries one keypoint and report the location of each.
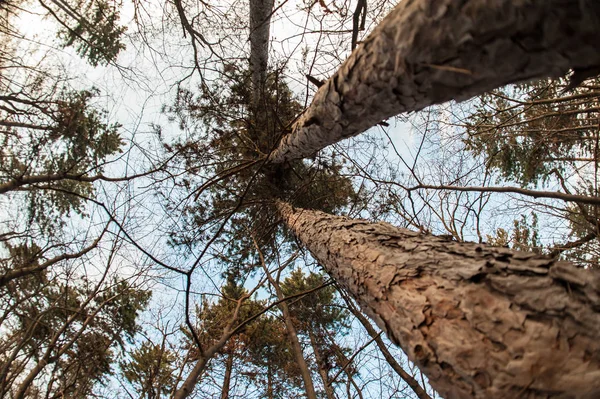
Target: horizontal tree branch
(584, 199)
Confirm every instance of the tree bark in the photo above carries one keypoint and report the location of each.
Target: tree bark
(260, 22)
(192, 379)
(227, 377)
(320, 364)
(205, 355)
(480, 322)
(298, 354)
(430, 51)
(269, 382)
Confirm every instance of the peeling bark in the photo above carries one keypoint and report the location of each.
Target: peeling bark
(479, 321)
(260, 21)
(430, 51)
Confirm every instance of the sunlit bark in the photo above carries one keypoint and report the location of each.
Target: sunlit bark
(430, 51)
(479, 321)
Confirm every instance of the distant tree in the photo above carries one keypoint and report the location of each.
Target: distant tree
(61, 332)
(540, 134)
(150, 370)
(319, 318)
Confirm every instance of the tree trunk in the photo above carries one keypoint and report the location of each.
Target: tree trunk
(291, 330)
(192, 379)
(227, 377)
(430, 51)
(269, 382)
(480, 322)
(410, 381)
(320, 364)
(260, 21)
(295, 342)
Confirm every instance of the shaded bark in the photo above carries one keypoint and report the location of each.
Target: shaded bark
(260, 21)
(298, 354)
(430, 51)
(479, 321)
(320, 364)
(227, 377)
(193, 377)
(410, 381)
(269, 382)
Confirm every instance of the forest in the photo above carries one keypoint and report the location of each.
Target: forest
(321, 199)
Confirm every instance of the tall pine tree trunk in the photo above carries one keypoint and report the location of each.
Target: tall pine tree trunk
(480, 322)
(260, 21)
(430, 51)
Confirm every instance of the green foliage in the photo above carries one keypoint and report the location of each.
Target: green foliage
(270, 359)
(213, 317)
(68, 137)
(524, 235)
(320, 317)
(226, 133)
(150, 370)
(71, 328)
(261, 346)
(319, 309)
(92, 27)
(538, 134)
(526, 131)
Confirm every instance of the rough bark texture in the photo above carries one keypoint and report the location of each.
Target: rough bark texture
(430, 51)
(260, 21)
(480, 322)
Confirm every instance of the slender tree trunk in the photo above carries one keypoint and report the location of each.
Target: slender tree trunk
(227, 377)
(291, 330)
(269, 382)
(298, 354)
(479, 321)
(430, 51)
(410, 381)
(348, 370)
(260, 21)
(192, 379)
(321, 364)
